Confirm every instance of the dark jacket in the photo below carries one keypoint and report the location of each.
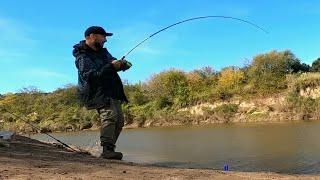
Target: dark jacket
(98, 80)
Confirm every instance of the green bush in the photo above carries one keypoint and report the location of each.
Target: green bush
(304, 106)
(302, 81)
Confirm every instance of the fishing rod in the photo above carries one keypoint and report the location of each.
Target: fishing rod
(191, 19)
(59, 141)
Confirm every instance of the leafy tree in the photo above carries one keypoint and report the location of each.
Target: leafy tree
(230, 82)
(201, 82)
(171, 86)
(300, 67)
(268, 71)
(136, 94)
(316, 65)
(230, 78)
(206, 72)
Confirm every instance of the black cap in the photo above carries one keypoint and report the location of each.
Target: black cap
(96, 30)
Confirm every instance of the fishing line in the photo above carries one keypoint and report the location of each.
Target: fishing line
(59, 141)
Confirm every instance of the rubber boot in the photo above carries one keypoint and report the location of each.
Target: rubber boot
(109, 153)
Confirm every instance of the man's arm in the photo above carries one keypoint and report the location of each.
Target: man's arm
(119, 65)
(89, 71)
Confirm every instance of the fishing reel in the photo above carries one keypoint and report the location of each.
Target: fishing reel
(126, 64)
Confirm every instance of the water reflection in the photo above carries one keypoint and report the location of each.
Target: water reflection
(286, 148)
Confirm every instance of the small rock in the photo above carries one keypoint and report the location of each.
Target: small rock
(6, 135)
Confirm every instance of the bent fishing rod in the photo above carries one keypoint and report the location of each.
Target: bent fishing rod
(191, 19)
(25, 121)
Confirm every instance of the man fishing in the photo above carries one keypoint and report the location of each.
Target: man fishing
(100, 86)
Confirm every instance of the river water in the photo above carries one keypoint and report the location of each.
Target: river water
(283, 148)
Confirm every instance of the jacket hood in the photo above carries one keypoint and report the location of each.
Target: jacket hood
(82, 47)
(79, 48)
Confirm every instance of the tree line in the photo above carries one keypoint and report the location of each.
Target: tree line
(164, 93)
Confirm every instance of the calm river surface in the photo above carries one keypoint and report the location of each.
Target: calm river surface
(284, 148)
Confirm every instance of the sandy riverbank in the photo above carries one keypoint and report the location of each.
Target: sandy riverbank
(24, 158)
